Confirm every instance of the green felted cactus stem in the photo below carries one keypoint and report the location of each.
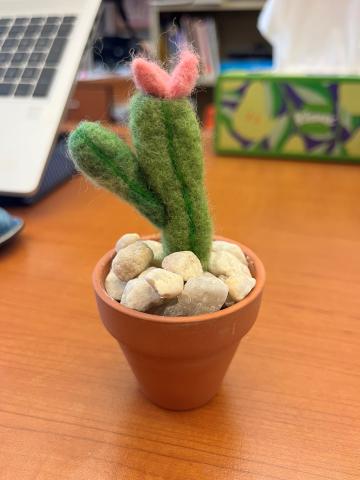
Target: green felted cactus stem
(164, 180)
(106, 160)
(167, 140)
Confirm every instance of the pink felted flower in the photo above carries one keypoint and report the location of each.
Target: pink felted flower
(153, 80)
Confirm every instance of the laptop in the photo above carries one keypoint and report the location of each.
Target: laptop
(41, 46)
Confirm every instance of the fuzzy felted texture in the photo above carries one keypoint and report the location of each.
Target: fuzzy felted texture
(167, 140)
(150, 78)
(153, 80)
(183, 78)
(107, 160)
(164, 179)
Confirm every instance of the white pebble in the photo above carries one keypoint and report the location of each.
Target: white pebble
(225, 263)
(147, 270)
(113, 286)
(139, 295)
(203, 294)
(208, 274)
(172, 308)
(166, 284)
(229, 302)
(184, 263)
(221, 245)
(239, 286)
(158, 252)
(130, 261)
(126, 240)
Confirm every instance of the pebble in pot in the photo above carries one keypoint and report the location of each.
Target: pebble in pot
(184, 263)
(221, 245)
(126, 240)
(130, 261)
(139, 295)
(203, 294)
(114, 286)
(223, 262)
(166, 284)
(138, 284)
(146, 271)
(157, 250)
(172, 308)
(239, 287)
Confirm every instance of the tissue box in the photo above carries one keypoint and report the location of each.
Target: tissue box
(264, 114)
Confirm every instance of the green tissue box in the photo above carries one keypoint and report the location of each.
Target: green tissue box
(264, 114)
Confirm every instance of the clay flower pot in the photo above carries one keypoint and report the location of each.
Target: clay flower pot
(179, 362)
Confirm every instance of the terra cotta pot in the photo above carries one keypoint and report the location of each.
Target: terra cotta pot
(179, 362)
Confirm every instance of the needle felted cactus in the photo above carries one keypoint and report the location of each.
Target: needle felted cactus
(163, 176)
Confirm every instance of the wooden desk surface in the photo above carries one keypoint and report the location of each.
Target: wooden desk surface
(289, 407)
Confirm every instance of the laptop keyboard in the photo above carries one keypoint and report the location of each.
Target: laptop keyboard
(30, 51)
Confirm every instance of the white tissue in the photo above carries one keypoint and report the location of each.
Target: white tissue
(317, 36)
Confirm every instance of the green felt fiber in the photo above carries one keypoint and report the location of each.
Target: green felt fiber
(167, 140)
(164, 180)
(107, 161)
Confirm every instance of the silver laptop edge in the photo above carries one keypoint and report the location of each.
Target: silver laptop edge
(34, 95)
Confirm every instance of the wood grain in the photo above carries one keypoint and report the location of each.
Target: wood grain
(289, 408)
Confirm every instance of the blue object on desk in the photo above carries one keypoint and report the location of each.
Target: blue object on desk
(9, 226)
(248, 64)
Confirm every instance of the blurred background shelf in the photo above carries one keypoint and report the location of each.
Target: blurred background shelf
(224, 33)
(102, 98)
(221, 31)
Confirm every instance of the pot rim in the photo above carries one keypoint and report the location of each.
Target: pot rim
(257, 290)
